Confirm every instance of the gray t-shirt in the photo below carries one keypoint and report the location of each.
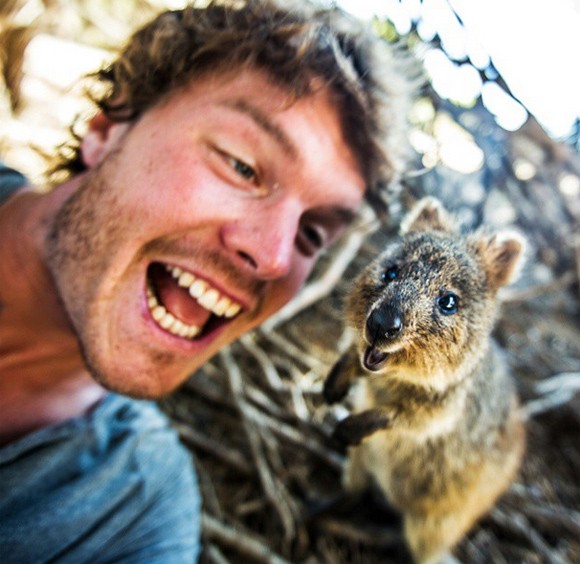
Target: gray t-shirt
(10, 181)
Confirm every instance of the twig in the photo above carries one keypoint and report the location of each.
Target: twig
(520, 525)
(273, 488)
(274, 380)
(291, 388)
(210, 395)
(264, 361)
(564, 381)
(555, 519)
(292, 433)
(211, 501)
(250, 506)
(370, 536)
(262, 399)
(576, 245)
(558, 390)
(241, 542)
(300, 356)
(204, 442)
(300, 408)
(215, 554)
(488, 540)
(512, 295)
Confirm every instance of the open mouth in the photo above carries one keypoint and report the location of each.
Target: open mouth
(185, 305)
(374, 359)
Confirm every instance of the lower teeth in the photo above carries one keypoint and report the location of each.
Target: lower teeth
(168, 321)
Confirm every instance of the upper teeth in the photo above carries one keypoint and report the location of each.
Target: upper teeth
(206, 295)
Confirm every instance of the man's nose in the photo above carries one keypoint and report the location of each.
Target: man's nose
(264, 241)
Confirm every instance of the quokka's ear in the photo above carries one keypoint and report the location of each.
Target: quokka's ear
(502, 255)
(428, 214)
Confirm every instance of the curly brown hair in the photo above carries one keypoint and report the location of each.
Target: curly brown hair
(295, 42)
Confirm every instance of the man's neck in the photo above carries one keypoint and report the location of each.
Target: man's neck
(43, 379)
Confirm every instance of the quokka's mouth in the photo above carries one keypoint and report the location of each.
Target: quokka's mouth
(374, 359)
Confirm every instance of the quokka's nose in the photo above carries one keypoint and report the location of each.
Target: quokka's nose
(385, 323)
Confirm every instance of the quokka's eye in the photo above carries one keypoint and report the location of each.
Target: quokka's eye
(448, 303)
(390, 274)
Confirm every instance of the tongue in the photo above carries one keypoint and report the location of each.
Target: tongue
(374, 359)
(178, 302)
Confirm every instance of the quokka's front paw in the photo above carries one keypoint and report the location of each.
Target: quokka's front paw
(337, 382)
(352, 430)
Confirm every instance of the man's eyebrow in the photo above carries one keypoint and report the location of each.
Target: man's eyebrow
(264, 122)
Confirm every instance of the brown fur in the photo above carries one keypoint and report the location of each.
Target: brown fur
(436, 422)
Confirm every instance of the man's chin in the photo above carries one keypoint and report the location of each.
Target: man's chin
(141, 389)
(135, 382)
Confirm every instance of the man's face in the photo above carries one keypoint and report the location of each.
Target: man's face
(196, 223)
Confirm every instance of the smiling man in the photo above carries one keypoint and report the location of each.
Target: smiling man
(234, 141)
(236, 189)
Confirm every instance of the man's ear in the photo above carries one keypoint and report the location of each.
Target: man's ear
(102, 135)
(428, 214)
(502, 256)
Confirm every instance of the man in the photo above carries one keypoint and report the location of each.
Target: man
(234, 141)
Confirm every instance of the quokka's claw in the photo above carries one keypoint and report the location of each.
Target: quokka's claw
(352, 430)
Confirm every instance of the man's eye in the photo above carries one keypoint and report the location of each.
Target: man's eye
(310, 239)
(243, 169)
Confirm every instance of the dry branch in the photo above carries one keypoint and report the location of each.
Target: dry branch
(558, 390)
(274, 489)
(203, 442)
(372, 536)
(215, 555)
(241, 542)
(518, 524)
(294, 435)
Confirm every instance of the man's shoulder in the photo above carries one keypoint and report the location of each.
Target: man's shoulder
(107, 480)
(10, 181)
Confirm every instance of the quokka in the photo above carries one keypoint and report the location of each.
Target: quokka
(435, 420)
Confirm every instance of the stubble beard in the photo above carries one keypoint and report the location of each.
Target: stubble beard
(82, 237)
(78, 243)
